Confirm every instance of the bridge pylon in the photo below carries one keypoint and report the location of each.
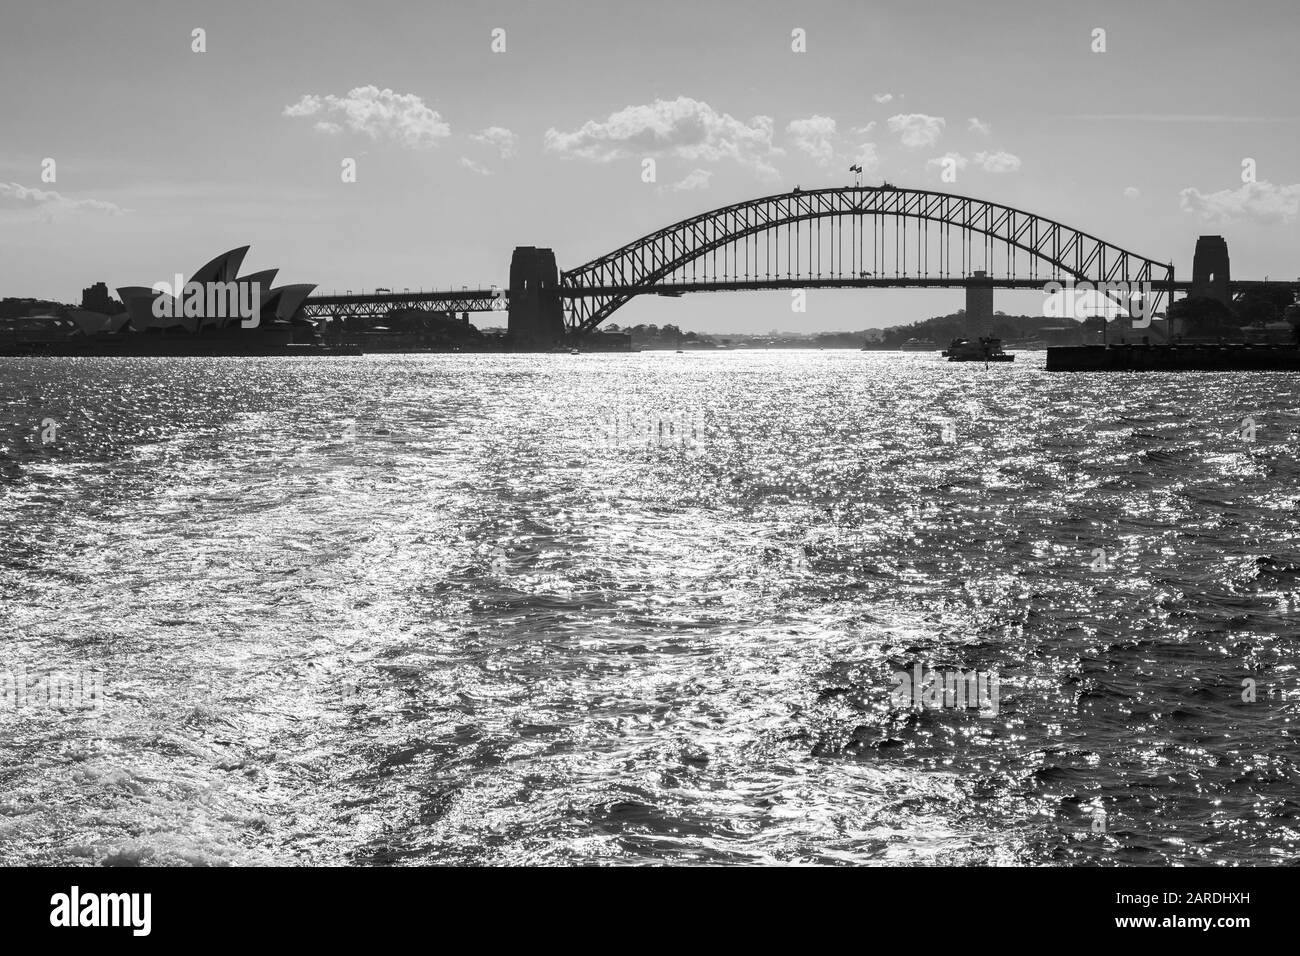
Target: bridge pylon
(536, 317)
(1210, 270)
(979, 306)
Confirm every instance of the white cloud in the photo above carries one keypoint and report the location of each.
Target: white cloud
(695, 179)
(976, 125)
(1131, 192)
(683, 127)
(474, 167)
(309, 105)
(380, 114)
(882, 97)
(917, 129)
(499, 138)
(1259, 202)
(865, 130)
(999, 162)
(815, 137)
(49, 204)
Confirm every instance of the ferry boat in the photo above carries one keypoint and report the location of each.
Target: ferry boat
(984, 349)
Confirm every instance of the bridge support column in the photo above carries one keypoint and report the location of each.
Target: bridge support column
(536, 317)
(1210, 270)
(979, 307)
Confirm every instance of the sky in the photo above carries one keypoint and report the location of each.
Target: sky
(468, 142)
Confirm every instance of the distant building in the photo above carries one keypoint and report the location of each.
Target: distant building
(97, 299)
(35, 328)
(13, 308)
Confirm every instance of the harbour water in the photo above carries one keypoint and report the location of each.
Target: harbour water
(644, 608)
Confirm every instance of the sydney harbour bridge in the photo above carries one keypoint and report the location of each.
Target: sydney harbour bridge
(833, 238)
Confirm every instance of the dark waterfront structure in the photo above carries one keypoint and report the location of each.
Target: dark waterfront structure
(1174, 358)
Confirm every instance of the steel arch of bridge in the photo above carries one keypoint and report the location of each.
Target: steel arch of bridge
(657, 263)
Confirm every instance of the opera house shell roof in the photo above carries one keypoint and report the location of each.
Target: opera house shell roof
(279, 305)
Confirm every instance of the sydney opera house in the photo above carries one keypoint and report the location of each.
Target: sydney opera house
(167, 321)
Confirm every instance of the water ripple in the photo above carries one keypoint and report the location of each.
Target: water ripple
(406, 610)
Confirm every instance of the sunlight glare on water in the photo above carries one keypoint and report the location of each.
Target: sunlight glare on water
(456, 609)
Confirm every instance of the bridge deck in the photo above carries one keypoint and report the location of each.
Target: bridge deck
(496, 299)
